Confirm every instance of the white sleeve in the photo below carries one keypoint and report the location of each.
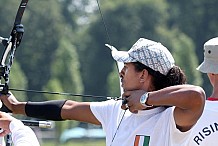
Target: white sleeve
(22, 135)
(105, 110)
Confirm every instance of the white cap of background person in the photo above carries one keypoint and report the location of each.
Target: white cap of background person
(148, 52)
(210, 63)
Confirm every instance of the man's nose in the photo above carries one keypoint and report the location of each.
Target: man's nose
(121, 73)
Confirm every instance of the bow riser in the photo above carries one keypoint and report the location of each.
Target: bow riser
(13, 42)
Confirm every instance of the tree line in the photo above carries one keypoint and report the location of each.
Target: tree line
(63, 49)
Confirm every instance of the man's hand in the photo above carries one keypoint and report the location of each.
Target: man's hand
(132, 100)
(5, 120)
(9, 101)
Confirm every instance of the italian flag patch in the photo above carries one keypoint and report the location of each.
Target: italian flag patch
(141, 140)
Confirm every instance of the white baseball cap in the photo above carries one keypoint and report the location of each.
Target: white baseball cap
(210, 63)
(148, 52)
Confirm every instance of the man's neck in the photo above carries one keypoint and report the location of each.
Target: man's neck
(215, 92)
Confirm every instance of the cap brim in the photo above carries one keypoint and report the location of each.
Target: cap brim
(122, 56)
(208, 66)
(111, 47)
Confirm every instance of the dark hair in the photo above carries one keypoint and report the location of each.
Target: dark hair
(175, 76)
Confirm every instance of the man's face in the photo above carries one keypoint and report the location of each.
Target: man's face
(130, 78)
(213, 79)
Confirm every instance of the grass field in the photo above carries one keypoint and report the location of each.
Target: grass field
(77, 143)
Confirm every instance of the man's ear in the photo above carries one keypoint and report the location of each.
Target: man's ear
(143, 76)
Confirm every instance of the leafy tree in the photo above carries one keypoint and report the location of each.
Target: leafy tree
(44, 26)
(65, 71)
(182, 48)
(114, 88)
(18, 80)
(197, 20)
(76, 12)
(65, 77)
(7, 16)
(126, 22)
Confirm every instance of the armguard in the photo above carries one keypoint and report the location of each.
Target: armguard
(49, 110)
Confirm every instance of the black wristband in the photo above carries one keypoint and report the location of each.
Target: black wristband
(49, 110)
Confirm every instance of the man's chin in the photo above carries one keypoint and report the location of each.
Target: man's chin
(124, 89)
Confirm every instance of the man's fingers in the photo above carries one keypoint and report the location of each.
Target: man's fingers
(125, 101)
(124, 107)
(3, 133)
(133, 111)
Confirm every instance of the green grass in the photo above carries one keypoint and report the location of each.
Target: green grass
(76, 143)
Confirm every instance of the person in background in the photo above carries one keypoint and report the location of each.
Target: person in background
(205, 132)
(210, 65)
(158, 107)
(21, 134)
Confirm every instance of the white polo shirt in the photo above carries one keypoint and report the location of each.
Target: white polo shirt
(155, 127)
(205, 131)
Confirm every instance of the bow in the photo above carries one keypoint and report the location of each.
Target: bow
(11, 45)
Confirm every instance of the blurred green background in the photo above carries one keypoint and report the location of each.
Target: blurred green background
(63, 50)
